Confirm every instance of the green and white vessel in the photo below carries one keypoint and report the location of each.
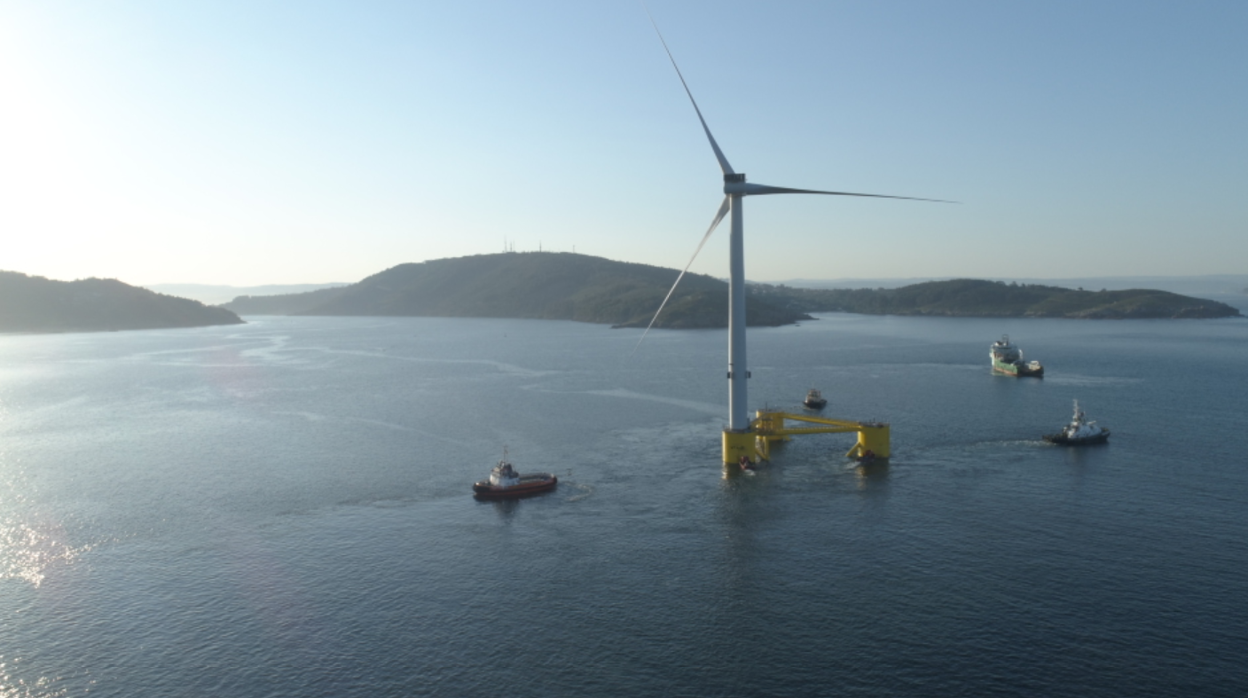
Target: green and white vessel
(1008, 359)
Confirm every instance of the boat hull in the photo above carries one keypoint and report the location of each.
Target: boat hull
(1063, 440)
(1016, 370)
(815, 404)
(529, 485)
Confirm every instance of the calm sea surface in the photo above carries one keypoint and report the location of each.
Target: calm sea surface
(283, 509)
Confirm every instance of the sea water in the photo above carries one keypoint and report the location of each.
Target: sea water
(283, 509)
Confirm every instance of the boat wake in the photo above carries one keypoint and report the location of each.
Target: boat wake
(687, 404)
(1099, 381)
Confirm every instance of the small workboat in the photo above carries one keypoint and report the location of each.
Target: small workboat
(814, 399)
(1079, 432)
(505, 483)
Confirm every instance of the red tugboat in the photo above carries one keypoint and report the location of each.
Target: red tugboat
(506, 483)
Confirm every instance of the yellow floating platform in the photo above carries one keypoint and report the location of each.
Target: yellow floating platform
(755, 443)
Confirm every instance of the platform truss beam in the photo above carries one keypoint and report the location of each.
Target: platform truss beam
(768, 427)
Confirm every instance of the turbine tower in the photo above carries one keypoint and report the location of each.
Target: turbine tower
(738, 437)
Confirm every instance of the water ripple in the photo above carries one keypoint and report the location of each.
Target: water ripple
(14, 687)
(28, 552)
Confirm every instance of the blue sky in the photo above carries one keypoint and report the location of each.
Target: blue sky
(299, 142)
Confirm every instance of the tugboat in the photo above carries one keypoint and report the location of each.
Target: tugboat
(506, 483)
(814, 399)
(1079, 432)
(1008, 359)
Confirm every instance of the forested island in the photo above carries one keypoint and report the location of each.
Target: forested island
(37, 304)
(566, 286)
(978, 298)
(537, 285)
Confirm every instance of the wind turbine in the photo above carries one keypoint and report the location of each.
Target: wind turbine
(738, 437)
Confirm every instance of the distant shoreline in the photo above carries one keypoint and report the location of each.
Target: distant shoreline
(567, 286)
(582, 288)
(35, 305)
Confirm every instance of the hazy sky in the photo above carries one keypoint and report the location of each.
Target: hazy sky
(286, 142)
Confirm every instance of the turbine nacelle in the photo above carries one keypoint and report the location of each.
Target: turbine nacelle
(734, 183)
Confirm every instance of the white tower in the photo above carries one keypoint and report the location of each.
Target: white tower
(738, 437)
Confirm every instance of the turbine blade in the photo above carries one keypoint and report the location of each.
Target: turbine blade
(719, 216)
(753, 189)
(719, 154)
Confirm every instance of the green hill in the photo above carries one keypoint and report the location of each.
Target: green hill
(976, 298)
(36, 304)
(563, 286)
(283, 303)
(546, 285)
